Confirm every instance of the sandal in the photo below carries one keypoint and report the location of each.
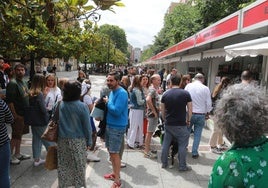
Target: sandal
(116, 184)
(109, 176)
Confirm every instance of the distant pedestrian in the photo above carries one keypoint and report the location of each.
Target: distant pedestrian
(164, 83)
(81, 76)
(173, 107)
(246, 77)
(185, 79)
(172, 72)
(74, 137)
(145, 88)
(88, 100)
(242, 115)
(3, 76)
(202, 105)
(161, 74)
(217, 145)
(6, 117)
(116, 120)
(54, 68)
(44, 70)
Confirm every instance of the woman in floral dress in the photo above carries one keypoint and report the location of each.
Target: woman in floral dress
(242, 115)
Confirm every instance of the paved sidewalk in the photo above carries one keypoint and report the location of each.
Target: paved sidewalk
(140, 172)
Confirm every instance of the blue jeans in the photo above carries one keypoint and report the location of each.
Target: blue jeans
(5, 165)
(37, 142)
(114, 139)
(92, 124)
(181, 134)
(198, 121)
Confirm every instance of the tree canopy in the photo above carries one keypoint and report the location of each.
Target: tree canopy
(49, 28)
(187, 19)
(117, 35)
(211, 11)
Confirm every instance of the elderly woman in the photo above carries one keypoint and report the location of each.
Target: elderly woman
(242, 115)
(74, 137)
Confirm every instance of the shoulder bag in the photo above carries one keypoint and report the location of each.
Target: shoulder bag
(51, 132)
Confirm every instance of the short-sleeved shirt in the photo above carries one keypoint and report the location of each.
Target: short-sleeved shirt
(17, 93)
(175, 100)
(155, 97)
(242, 166)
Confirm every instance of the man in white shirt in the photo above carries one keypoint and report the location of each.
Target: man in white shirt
(173, 72)
(202, 105)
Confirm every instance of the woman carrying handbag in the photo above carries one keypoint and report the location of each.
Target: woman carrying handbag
(74, 137)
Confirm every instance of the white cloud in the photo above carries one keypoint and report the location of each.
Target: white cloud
(140, 19)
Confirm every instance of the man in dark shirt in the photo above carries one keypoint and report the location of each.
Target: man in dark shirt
(173, 107)
(17, 99)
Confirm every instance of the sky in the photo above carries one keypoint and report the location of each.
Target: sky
(140, 19)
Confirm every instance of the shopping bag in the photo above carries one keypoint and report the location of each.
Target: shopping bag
(51, 158)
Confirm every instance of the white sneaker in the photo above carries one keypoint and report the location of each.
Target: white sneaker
(41, 161)
(14, 160)
(22, 156)
(91, 157)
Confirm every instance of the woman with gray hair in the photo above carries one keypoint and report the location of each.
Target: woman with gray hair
(242, 115)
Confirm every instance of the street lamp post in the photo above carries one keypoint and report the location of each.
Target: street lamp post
(108, 55)
(85, 68)
(32, 71)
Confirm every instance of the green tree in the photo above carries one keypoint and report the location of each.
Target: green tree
(211, 11)
(178, 25)
(117, 35)
(47, 28)
(146, 54)
(181, 23)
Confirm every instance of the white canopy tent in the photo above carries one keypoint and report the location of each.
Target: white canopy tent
(250, 48)
(193, 57)
(214, 53)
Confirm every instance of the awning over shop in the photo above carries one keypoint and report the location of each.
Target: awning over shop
(220, 52)
(251, 48)
(172, 60)
(194, 57)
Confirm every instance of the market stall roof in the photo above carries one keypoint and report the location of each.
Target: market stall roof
(194, 57)
(250, 48)
(214, 53)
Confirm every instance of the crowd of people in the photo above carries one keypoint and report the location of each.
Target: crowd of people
(135, 102)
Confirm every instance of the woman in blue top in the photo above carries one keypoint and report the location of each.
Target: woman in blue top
(136, 113)
(74, 137)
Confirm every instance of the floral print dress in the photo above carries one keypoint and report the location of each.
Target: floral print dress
(242, 166)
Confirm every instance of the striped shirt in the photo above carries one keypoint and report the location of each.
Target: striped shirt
(5, 117)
